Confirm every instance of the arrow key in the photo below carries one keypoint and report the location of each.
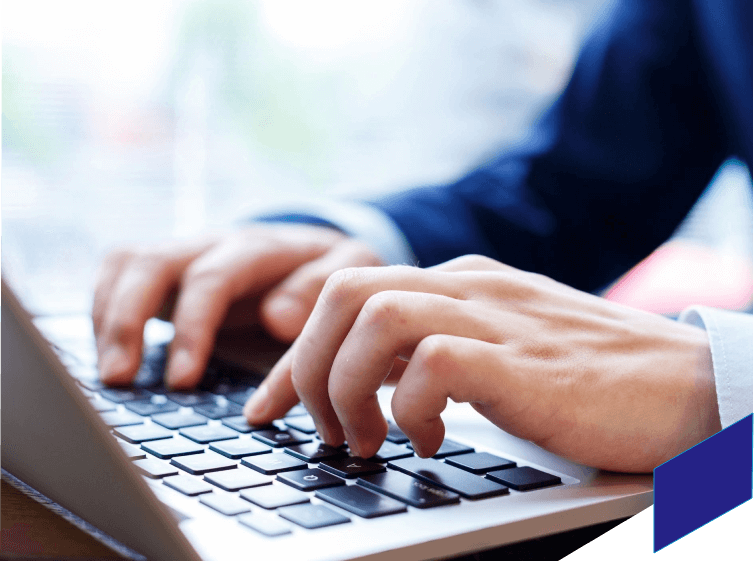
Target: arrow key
(351, 467)
(310, 479)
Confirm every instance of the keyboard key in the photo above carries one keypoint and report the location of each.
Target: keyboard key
(237, 479)
(199, 464)
(155, 468)
(187, 485)
(406, 489)
(186, 399)
(204, 434)
(278, 438)
(310, 479)
(240, 397)
(272, 464)
(228, 505)
(449, 448)
(360, 502)
(147, 408)
(303, 423)
(296, 410)
(132, 451)
(122, 395)
(136, 434)
(219, 410)
(266, 525)
(480, 462)
(314, 452)
(178, 420)
(443, 475)
(395, 435)
(102, 405)
(121, 418)
(312, 516)
(170, 448)
(351, 467)
(240, 448)
(239, 423)
(391, 451)
(523, 478)
(274, 496)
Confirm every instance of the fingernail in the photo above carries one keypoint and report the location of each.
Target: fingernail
(257, 404)
(285, 308)
(355, 450)
(180, 365)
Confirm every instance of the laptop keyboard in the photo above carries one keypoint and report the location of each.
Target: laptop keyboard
(198, 444)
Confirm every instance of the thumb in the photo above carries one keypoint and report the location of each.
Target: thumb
(285, 309)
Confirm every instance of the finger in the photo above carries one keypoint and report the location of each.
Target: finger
(228, 273)
(107, 275)
(472, 263)
(286, 308)
(275, 396)
(338, 305)
(391, 324)
(464, 370)
(137, 294)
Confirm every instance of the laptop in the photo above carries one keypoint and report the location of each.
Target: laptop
(168, 476)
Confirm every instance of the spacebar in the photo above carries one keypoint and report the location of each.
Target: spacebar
(467, 485)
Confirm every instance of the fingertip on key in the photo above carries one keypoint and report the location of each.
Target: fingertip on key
(180, 370)
(116, 367)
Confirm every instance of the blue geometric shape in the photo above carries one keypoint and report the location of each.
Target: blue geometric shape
(703, 483)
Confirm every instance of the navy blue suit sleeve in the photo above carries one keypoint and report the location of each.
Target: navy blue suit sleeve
(605, 175)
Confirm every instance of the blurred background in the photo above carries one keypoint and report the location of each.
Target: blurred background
(134, 122)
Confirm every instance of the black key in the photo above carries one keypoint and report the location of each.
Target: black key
(480, 462)
(303, 423)
(237, 479)
(394, 434)
(122, 395)
(274, 496)
(391, 451)
(204, 434)
(239, 423)
(187, 485)
(240, 448)
(310, 479)
(443, 475)
(406, 489)
(199, 464)
(266, 525)
(166, 449)
(121, 418)
(361, 502)
(296, 410)
(219, 411)
(272, 464)
(314, 452)
(228, 505)
(278, 438)
(147, 408)
(136, 434)
(132, 451)
(240, 397)
(449, 448)
(155, 468)
(178, 420)
(101, 405)
(190, 399)
(351, 467)
(524, 478)
(312, 516)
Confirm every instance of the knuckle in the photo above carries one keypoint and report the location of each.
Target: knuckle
(341, 285)
(432, 354)
(474, 261)
(125, 332)
(380, 308)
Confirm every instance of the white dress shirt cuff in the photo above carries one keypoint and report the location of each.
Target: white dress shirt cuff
(730, 337)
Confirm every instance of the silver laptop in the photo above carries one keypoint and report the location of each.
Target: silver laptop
(182, 476)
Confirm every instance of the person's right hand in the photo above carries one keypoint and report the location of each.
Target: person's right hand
(268, 274)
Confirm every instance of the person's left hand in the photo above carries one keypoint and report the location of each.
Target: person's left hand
(593, 381)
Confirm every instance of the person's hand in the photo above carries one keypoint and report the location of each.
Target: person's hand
(264, 273)
(599, 383)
